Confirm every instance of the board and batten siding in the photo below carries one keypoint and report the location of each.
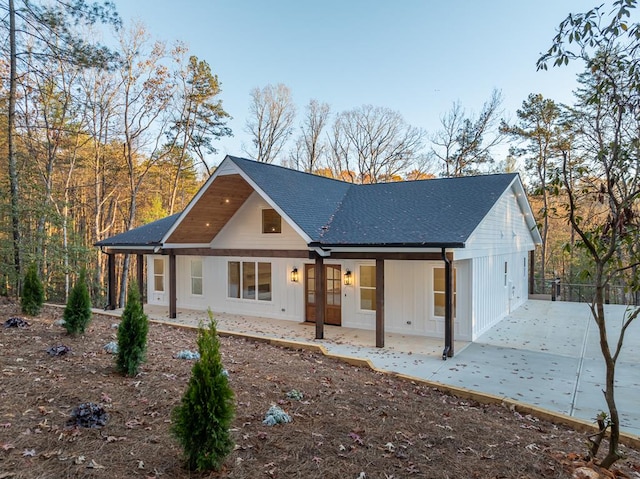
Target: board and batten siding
(244, 230)
(503, 237)
(286, 297)
(409, 299)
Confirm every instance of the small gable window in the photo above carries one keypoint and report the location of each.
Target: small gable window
(271, 221)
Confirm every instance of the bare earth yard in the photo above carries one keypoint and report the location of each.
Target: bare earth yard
(350, 423)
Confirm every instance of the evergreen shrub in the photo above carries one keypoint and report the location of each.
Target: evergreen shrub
(202, 421)
(132, 334)
(77, 313)
(32, 297)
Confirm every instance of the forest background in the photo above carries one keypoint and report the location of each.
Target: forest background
(98, 140)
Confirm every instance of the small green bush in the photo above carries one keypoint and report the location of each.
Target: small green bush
(32, 292)
(132, 334)
(202, 420)
(77, 313)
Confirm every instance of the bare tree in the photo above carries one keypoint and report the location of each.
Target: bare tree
(145, 90)
(270, 121)
(373, 144)
(464, 143)
(309, 148)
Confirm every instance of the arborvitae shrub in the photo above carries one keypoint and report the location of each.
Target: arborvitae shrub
(77, 313)
(32, 292)
(202, 420)
(132, 334)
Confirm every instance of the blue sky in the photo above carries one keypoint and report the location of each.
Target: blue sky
(413, 56)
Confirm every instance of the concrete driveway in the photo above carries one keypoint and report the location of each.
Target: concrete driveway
(545, 353)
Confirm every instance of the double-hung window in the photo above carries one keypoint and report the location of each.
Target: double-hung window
(196, 277)
(158, 275)
(368, 287)
(439, 292)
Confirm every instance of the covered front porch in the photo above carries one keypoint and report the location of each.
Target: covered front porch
(337, 337)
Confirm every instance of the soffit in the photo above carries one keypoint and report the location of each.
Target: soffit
(224, 196)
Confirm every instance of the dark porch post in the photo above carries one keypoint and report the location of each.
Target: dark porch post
(379, 303)
(111, 280)
(172, 286)
(532, 256)
(448, 307)
(140, 275)
(321, 297)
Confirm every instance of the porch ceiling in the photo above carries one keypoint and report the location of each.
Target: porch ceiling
(212, 210)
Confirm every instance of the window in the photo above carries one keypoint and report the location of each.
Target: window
(368, 288)
(196, 277)
(439, 292)
(234, 279)
(158, 275)
(249, 280)
(271, 221)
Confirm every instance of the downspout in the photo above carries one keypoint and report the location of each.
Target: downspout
(448, 309)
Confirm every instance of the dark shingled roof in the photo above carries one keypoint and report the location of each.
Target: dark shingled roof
(428, 213)
(309, 200)
(148, 235)
(417, 213)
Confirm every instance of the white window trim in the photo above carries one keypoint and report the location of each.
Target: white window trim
(201, 277)
(155, 275)
(359, 288)
(434, 291)
(241, 284)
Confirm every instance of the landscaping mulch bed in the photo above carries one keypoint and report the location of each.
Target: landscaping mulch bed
(347, 422)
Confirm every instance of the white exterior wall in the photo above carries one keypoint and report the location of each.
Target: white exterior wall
(287, 299)
(244, 230)
(502, 237)
(409, 299)
(482, 297)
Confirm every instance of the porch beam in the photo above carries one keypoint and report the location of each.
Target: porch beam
(111, 281)
(252, 253)
(140, 275)
(380, 303)
(172, 287)
(391, 256)
(321, 300)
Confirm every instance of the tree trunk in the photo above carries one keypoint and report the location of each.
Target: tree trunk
(609, 392)
(13, 170)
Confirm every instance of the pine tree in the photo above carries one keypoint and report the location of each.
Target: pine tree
(201, 422)
(32, 292)
(77, 313)
(132, 334)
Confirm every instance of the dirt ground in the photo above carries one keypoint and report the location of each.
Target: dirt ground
(350, 422)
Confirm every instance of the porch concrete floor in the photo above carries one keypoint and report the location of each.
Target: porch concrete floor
(545, 353)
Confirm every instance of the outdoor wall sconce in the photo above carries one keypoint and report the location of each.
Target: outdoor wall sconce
(294, 275)
(348, 278)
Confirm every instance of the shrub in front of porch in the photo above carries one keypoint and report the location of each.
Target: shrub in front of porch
(202, 420)
(77, 313)
(132, 334)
